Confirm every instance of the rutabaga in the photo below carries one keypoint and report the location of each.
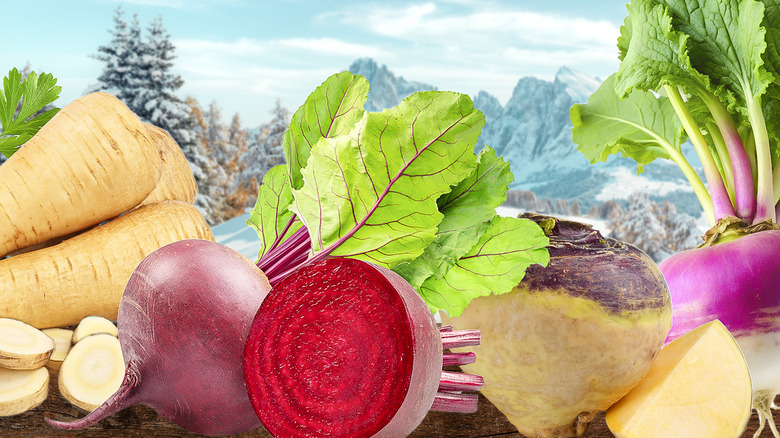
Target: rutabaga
(707, 72)
(573, 337)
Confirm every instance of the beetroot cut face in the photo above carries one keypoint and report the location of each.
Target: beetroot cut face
(342, 348)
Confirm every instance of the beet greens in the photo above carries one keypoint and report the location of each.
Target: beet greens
(401, 188)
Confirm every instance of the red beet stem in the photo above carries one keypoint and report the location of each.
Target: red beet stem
(453, 402)
(458, 359)
(451, 381)
(460, 338)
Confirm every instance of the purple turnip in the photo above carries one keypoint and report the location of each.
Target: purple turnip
(344, 348)
(738, 282)
(183, 321)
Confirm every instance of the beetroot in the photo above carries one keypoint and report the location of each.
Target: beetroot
(344, 348)
(183, 322)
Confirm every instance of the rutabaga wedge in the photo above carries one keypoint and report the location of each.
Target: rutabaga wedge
(22, 390)
(698, 386)
(62, 342)
(94, 324)
(22, 346)
(92, 371)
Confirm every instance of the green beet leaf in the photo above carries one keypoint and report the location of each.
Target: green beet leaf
(332, 109)
(495, 265)
(270, 215)
(372, 194)
(467, 209)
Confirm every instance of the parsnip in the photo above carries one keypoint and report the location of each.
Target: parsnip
(176, 179)
(60, 285)
(93, 324)
(22, 390)
(92, 371)
(62, 342)
(22, 346)
(91, 162)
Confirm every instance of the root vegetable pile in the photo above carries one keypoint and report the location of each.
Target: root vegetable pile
(86, 274)
(397, 195)
(112, 165)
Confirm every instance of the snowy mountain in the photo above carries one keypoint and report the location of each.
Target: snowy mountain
(533, 132)
(386, 89)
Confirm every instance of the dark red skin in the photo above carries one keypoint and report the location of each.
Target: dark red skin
(183, 322)
(343, 348)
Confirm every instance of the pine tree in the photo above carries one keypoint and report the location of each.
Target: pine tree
(121, 58)
(265, 150)
(156, 101)
(137, 71)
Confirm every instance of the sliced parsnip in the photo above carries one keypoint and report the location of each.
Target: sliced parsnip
(22, 346)
(92, 371)
(22, 390)
(62, 342)
(94, 324)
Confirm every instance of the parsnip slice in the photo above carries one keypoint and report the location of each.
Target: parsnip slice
(22, 390)
(94, 324)
(22, 346)
(92, 371)
(62, 342)
(698, 386)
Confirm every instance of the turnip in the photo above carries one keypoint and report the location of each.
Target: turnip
(707, 72)
(344, 348)
(183, 322)
(736, 282)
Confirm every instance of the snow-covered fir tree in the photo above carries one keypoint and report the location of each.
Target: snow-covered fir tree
(155, 86)
(121, 58)
(264, 151)
(137, 70)
(216, 161)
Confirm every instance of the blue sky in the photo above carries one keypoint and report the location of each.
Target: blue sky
(245, 54)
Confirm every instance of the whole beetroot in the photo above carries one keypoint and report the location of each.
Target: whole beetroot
(183, 322)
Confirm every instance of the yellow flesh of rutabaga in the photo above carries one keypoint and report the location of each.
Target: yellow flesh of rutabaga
(698, 386)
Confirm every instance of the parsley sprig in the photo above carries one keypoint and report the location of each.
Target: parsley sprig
(22, 104)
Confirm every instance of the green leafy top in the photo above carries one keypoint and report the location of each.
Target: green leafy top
(28, 96)
(401, 188)
(714, 66)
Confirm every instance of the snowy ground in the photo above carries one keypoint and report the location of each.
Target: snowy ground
(237, 235)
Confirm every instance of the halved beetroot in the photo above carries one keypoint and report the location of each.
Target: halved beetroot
(344, 348)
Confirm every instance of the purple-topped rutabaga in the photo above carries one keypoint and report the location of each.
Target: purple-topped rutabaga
(573, 337)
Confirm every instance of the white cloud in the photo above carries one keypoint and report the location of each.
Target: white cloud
(245, 72)
(480, 24)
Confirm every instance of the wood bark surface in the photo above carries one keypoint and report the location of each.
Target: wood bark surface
(141, 421)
